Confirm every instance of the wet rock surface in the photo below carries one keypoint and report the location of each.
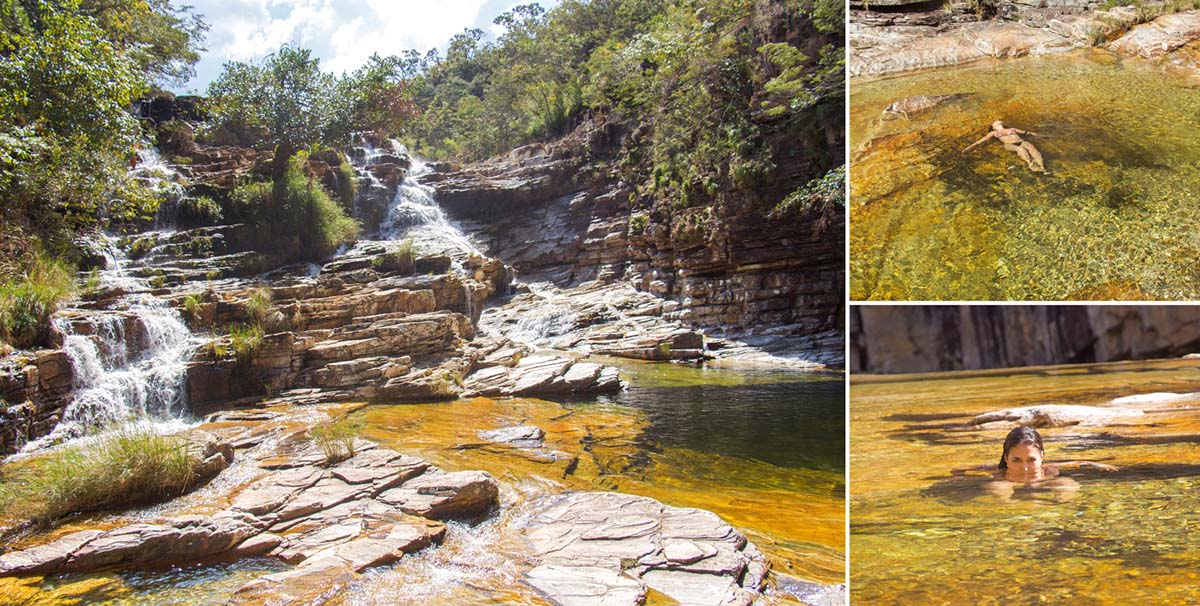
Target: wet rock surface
(891, 42)
(365, 511)
(1058, 415)
(609, 548)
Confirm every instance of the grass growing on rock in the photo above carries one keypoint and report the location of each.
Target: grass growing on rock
(129, 466)
(336, 440)
(246, 339)
(28, 299)
(259, 304)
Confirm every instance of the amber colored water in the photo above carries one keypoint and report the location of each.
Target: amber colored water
(917, 536)
(1117, 217)
(763, 449)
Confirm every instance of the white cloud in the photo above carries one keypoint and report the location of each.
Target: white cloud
(342, 33)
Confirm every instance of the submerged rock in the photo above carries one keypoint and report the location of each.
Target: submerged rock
(1057, 415)
(607, 549)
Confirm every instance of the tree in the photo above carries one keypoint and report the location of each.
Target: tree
(288, 97)
(377, 96)
(66, 134)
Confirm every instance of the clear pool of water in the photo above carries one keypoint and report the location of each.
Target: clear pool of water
(920, 536)
(1116, 217)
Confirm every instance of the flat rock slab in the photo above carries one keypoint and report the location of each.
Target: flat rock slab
(607, 549)
(368, 510)
(543, 374)
(879, 51)
(521, 436)
(1058, 415)
(1155, 39)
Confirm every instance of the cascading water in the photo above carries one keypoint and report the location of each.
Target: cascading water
(129, 359)
(413, 212)
(158, 176)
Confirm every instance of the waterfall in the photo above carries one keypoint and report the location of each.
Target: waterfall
(413, 212)
(157, 176)
(129, 360)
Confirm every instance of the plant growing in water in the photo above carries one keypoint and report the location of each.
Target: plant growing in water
(336, 440)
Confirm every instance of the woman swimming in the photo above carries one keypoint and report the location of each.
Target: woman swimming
(1022, 467)
(1011, 138)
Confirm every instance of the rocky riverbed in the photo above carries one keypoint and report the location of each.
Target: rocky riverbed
(201, 325)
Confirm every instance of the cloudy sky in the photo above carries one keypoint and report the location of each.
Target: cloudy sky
(343, 33)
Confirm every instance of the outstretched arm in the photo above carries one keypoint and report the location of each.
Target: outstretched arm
(979, 142)
(1027, 132)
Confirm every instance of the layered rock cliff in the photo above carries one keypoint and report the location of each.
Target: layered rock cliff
(903, 339)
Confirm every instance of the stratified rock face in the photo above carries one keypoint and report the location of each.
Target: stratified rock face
(894, 38)
(607, 549)
(34, 389)
(556, 218)
(1155, 39)
(934, 338)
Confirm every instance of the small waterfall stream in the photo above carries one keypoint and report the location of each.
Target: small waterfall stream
(413, 212)
(129, 359)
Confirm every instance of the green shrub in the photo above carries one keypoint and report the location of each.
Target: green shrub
(202, 210)
(347, 184)
(306, 224)
(141, 247)
(191, 306)
(245, 339)
(27, 300)
(638, 224)
(336, 440)
(130, 466)
(259, 304)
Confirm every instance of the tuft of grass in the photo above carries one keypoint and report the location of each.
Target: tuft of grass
(259, 304)
(28, 299)
(141, 247)
(202, 210)
(191, 306)
(336, 440)
(91, 283)
(246, 339)
(127, 467)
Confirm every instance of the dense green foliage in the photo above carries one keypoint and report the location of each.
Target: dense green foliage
(128, 467)
(304, 223)
(718, 94)
(286, 96)
(68, 72)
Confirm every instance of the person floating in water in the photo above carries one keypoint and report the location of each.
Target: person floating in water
(1011, 138)
(1022, 467)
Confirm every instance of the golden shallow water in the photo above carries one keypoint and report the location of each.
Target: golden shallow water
(1116, 217)
(919, 536)
(762, 449)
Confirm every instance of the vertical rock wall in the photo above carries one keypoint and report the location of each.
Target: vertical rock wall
(900, 339)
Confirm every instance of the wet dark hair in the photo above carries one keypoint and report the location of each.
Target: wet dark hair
(1018, 436)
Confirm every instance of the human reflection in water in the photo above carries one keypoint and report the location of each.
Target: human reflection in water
(1024, 472)
(1011, 138)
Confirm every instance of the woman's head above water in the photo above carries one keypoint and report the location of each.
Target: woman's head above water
(1023, 453)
